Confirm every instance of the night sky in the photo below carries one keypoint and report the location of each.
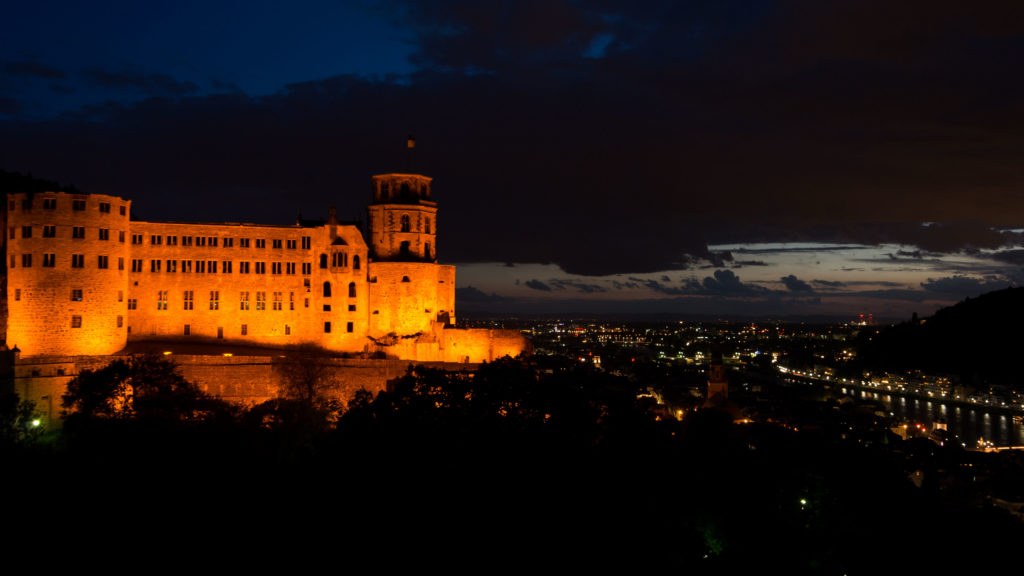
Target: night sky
(753, 158)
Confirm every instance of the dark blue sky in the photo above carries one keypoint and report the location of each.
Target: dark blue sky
(719, 157)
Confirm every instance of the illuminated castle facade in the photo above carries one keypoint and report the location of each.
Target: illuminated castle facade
(81, 278)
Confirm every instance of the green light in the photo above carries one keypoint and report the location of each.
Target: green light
(36, 423)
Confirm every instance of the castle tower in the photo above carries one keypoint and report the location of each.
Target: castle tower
(402, 219)
(717, 384)
(65, 275)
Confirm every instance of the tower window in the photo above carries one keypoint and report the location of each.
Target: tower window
(76, 321)
(327, 327)
(355, 262)
(349, 327)
(405, 222)
(323, 260)
(76, 294)
(351, 289)
(78, 205)
(327, 289)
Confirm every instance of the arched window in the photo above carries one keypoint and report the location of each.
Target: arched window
(327, 289)
(426, 225)
(323, 260)
(405, 222)
(405, 278)
(351, 289)
(355, 262)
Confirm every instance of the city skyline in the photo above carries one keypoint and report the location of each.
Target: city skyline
(741, 158)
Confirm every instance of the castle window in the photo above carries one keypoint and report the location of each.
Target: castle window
(305, 242)
(243, 267)
(76, 294)
(26, 261)
(78, 232)
(186, 266)
(200, 240)
(214, 300)
(426, 225)
(26, 204)
(172, 240)
(200, 266)
(243, 242)
(351, 307)
(405, 222)
(136, 265)
(349, 327)
(226, 267)
(188, 302)
(277, 301)
(404, 248)
(78, 260)
(103, 262)
(76, 321)
(426, 250)
(261, 300)
(213, 242)
(355, 262)
(291, 244)
(188, 329)
(291, 300)
(17, 294)
(124, 210)
(49, 260)
(26, 231)
(172, 266)
(289, 268)
(243, 301)
(156, 240)
(306, 303)
(120, 295)
(327, 327)
(261, 267)
(120, 321)
(245, 329)
(306, 284)
(405, 278)
(154, 265)
(351, 289)
(49, 231)
(229, 242)
(48, 204)
(133, 304)
(211, 266)
(287, 330)
(327, 307)
(120, 236)
(136, 238)
(78, 205)
(161, 300)
(104, 207)
(323, 260)
(275, 268)
(185, 241)
(327, 289)
(277, 243)
(261, 243)
(104, 234)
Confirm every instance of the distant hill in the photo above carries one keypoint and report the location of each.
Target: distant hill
(981, 340)
(17, 182)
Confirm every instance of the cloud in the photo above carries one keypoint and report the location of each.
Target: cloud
(537, 285)
(584, 287)
(828, 283)
(31, 69)
(794, 284)
(475, 295)
(149, 84)
(962, 286)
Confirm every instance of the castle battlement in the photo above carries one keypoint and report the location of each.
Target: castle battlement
(81, 278)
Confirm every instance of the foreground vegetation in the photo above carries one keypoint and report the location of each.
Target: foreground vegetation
(508, 467)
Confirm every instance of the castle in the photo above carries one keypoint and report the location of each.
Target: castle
(81, 278)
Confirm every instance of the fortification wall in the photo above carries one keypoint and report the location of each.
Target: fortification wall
(66, 280)
(407, 297)
(481, 345)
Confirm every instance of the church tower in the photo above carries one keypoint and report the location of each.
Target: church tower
(717, 383)
(402, 219)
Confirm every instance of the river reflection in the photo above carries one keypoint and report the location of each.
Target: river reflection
(968, 423)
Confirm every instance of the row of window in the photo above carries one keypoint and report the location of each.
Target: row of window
(405, 225)
(77, 232)
(212, 241)
(76, 322)
(77, 261)
(77, 204)
(171, 266)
